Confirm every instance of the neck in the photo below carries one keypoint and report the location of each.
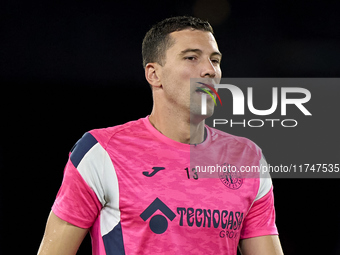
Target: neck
(177, 127)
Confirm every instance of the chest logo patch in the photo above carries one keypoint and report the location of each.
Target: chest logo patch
(231, 178)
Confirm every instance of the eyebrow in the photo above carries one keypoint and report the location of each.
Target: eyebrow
(200, 52)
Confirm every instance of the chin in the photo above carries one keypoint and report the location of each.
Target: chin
(195, 109)
(196, 116)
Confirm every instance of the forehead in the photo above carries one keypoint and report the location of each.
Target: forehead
(196, 39)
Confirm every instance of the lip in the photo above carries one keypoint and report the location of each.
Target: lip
(199, 90)
(206, 85)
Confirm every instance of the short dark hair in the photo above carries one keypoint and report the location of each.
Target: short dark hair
(157, 40)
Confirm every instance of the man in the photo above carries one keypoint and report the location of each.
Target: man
(133, 186)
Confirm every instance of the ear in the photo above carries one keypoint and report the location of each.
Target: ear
(152, 74)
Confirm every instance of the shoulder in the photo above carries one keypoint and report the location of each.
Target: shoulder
(104, 135)
(100, 137)
(234, 141)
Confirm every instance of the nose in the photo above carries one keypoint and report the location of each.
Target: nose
(208, 69)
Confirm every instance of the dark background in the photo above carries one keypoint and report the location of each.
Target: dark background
(69, 67)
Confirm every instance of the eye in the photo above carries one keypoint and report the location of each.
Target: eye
(191, 58)
(216, 61)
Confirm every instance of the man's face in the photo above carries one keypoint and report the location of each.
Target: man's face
(194, 54)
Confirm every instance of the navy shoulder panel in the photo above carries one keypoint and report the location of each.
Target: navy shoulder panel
(83, 145)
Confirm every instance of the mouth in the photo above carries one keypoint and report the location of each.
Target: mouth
(206, 88)
(203, 90)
